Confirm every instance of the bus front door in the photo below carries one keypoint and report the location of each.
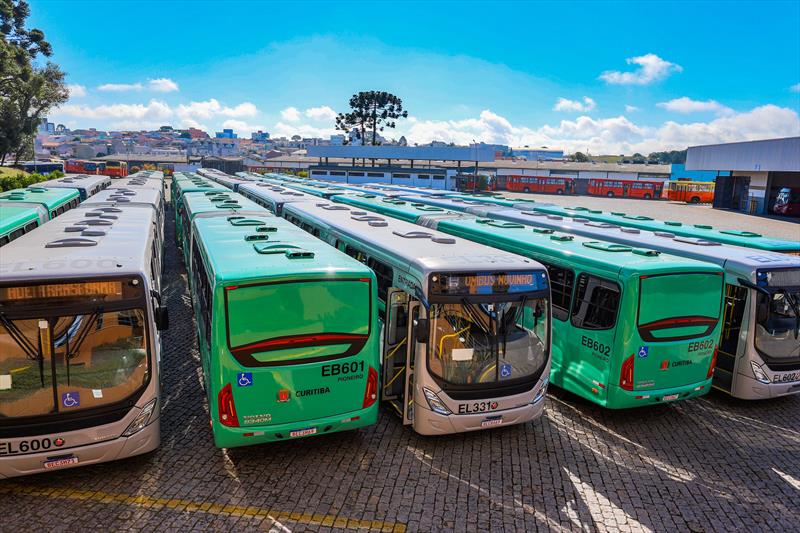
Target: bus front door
(395, 349)
(408, 404)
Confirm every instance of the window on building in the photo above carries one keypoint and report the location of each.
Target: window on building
(338, 173)
(402, 176)
(375, 174)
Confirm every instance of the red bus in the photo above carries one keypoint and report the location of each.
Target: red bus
(626, 188)
(116, 169)
(81, 166)
(544, 184)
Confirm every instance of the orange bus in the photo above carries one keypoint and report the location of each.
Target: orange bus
(692, 192)
(81, 166)
(116, 169)
(625, 188)
(542, 184)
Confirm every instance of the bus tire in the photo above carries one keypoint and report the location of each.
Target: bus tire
(559, 191)
(610, 194)
(695, 200)
(647, 196)
(526, 189)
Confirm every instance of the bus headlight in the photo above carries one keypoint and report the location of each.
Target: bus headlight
(542, 391)
(759, 373)
(435, 403)
(142, 420)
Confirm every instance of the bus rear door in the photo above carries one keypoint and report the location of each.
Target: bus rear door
(398, 353)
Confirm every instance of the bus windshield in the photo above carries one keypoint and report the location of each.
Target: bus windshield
(474, 343)
(778, 325)
(679, 306)
(61, 363)
(308, 320)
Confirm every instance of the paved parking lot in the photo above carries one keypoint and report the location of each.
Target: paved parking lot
(778, 227)
(712, 464)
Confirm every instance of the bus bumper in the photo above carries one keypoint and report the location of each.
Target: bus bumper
(144, 441)
(619, 398)
(748, 388)
(228, 437)
(428, 422)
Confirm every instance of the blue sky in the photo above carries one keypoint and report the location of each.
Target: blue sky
(604, 77)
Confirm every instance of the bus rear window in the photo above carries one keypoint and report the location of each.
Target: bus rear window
(679, 306)
(296, 322)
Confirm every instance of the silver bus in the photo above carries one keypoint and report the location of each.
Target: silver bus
(86, 184)
(759, 350)
(80, 316)
(226, 180)
(144, 178)
(272, 197)
(466, 328)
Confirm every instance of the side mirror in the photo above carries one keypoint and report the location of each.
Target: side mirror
(421, 330)
(162, 318)
(750, 285)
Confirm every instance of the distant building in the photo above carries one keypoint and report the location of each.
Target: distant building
(337, 140)
(536, 154)
(259, 136)
(226, 133)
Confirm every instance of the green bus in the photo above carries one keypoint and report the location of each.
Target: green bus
(287, 329)
(211, 203)
(748, 239)
(17, 220)
(183, 185)
(631, 326)
(54, 200)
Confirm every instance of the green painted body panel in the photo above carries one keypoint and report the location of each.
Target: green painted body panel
(588, 362)
(183, 186)
(194, 203)
(736, 238)
(14, 217)
(272, 296)
(50, 198)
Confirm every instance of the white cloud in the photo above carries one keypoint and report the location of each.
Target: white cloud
(611, 135)
(631, 108)
(281, 129)
(651, 69)
(685, 104)
(76, 90)
(321, 113)
(291, 114)
(153, 111)
(162, 85)
(212, 108)
(795, 88)
(120, 87)
(563, 104)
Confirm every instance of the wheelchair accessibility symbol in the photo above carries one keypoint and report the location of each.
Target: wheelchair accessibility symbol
(71, 399)
(505, 371)
(245, 379)
(643, 351)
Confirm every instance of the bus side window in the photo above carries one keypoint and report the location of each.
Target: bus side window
(735, 300)
(4, 240)
(203, 295)
(562, 281)
(356, 254)
(30, 226)
(384, 274)
(596, 303)
(17, 233)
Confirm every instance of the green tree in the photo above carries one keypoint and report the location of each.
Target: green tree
(371, 112)
(580, 157)
(27, 89)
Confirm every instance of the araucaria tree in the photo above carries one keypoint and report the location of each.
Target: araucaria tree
(27, 90)
(371, 112)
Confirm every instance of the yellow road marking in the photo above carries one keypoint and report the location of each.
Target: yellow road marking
(311, 519)
(20, 369)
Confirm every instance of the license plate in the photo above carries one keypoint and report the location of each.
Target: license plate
(494, 421)
(59, 463)
(670, 397)
(302, 432)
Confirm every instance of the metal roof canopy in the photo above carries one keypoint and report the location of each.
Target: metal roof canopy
(438, 153)
(759, 156)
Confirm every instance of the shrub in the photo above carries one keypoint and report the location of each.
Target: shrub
(20, 180)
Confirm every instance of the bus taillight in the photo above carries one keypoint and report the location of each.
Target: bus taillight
(371, 393)
(626, 374)
(227, 409)
(713, 363)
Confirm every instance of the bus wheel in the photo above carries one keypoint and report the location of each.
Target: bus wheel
(559, 191)
(526, 189)
(695, 200)
(647, 196)
(610, 194)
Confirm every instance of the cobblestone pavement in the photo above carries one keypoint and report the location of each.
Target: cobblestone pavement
(711, 464)
(778, 227)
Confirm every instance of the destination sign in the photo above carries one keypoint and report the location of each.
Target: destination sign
(110, 290)
(487, 283)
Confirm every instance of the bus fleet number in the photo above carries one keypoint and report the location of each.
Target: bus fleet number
(25, 446)
(596, 346)
(335, 369)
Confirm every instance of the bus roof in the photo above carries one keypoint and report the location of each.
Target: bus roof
(601, 254)
(747, 239)
(77, 181)
(743, 260)
(128, 195)
(201, 202)
(197, 184)
(286, 251)
(408, 244)
(100, 246)
(48, 197)
(274, 194)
